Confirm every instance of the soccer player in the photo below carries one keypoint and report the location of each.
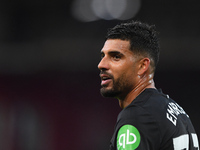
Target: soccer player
(149, 120)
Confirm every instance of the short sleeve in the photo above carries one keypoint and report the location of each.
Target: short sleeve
(137, 131)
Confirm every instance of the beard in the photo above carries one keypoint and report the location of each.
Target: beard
(113, 92)
(120, 88)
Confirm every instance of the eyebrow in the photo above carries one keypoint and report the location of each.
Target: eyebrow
(113, 52)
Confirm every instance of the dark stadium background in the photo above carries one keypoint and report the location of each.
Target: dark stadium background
(49, 81)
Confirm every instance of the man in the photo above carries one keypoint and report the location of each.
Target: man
(150, 120)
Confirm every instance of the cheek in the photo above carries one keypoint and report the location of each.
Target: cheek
(124, 69)
(125, 75)
(130, 75)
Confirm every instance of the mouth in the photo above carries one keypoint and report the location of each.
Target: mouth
(105, 79)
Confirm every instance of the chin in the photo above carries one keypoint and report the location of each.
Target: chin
(108, 92)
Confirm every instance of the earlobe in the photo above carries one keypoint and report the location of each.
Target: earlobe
(143, 66)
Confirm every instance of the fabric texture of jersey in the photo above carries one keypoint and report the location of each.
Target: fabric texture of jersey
(161, 122)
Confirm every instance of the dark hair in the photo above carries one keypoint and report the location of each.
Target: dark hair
(143, 39)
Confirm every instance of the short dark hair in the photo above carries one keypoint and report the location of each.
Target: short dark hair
(143, 39)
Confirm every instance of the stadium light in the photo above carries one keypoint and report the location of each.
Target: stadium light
(92, 10)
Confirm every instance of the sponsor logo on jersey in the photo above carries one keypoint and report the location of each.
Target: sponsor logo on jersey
(173, 110)
(128, 138)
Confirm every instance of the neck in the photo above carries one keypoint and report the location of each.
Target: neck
(144, 82)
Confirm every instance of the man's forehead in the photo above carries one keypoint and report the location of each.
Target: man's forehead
(116, 45)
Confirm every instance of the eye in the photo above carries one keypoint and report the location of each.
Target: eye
(102, 55)
(117, 56)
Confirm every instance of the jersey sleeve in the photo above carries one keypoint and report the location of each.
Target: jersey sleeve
(138, 130)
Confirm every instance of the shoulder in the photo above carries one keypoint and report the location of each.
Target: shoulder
(149, 104)
(148, 112)
(139, 119)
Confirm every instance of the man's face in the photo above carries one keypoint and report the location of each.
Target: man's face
(118, 68)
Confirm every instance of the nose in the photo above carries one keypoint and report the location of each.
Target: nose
(103, 64)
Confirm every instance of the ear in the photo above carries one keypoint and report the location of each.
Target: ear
(144, 65)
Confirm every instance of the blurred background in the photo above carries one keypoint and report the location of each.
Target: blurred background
(49, 81)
